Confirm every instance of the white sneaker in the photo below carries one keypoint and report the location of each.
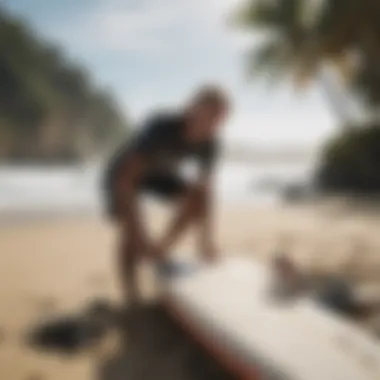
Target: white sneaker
(170, 269)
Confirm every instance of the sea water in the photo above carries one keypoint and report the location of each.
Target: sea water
(26, 190)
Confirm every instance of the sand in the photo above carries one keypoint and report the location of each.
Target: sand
(51, 267)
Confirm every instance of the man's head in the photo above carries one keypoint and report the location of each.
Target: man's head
(207, 110)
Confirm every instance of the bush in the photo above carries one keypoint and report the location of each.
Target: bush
(351, 162)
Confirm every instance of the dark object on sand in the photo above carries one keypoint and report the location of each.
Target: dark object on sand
(332, 292)
(72, 333)
(287, 282)
(338, 295)
(66, 334)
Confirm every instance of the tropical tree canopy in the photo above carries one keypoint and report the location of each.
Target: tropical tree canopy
(302, 38)
(350, 162)
(49, 107)
(304, 35)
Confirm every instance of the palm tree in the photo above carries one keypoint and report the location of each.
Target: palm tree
(303, 37)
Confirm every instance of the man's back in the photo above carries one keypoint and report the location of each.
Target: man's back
(163, 144)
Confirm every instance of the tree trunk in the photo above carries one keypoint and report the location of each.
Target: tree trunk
(338, 104)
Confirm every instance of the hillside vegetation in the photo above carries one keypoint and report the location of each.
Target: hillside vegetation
(50, 109)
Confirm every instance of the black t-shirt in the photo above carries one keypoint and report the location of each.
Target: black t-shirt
(162, 142)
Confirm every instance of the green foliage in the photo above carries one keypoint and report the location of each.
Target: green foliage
(350, 161)
(302, 37)
(48, 105)
(300, 40)
(283, 51)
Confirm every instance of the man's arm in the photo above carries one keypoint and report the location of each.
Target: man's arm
(194, 209)
(197, 207)
(147, 141)
(206, 221)
(127, 195)
(185, 215)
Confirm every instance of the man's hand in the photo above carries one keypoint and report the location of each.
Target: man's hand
(209, 253)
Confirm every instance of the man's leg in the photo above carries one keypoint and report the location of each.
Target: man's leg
(127, 261)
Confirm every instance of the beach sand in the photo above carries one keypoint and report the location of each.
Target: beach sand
(52, 267)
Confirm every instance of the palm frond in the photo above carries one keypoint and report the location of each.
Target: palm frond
(257, 14)
(272, 60)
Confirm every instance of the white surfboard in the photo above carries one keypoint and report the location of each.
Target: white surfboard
(226, 307)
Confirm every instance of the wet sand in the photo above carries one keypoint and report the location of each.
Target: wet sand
(52, 267)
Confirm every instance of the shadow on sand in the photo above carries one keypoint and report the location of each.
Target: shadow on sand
(150, 345)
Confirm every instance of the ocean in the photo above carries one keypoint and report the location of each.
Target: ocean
(27, 191)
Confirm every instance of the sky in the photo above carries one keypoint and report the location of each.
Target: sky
(153, 53)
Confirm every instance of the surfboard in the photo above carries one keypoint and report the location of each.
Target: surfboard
(228, 310)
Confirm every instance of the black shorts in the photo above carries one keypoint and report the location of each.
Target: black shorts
(166, 187)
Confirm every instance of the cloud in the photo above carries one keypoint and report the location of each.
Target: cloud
(114, 26)
(154, 27)
(154, 51)
(122, 29)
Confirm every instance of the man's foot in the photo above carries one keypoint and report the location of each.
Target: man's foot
(169, 269)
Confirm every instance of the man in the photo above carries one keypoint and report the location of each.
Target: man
(151, 164)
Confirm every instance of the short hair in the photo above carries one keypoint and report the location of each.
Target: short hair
(211, 95)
